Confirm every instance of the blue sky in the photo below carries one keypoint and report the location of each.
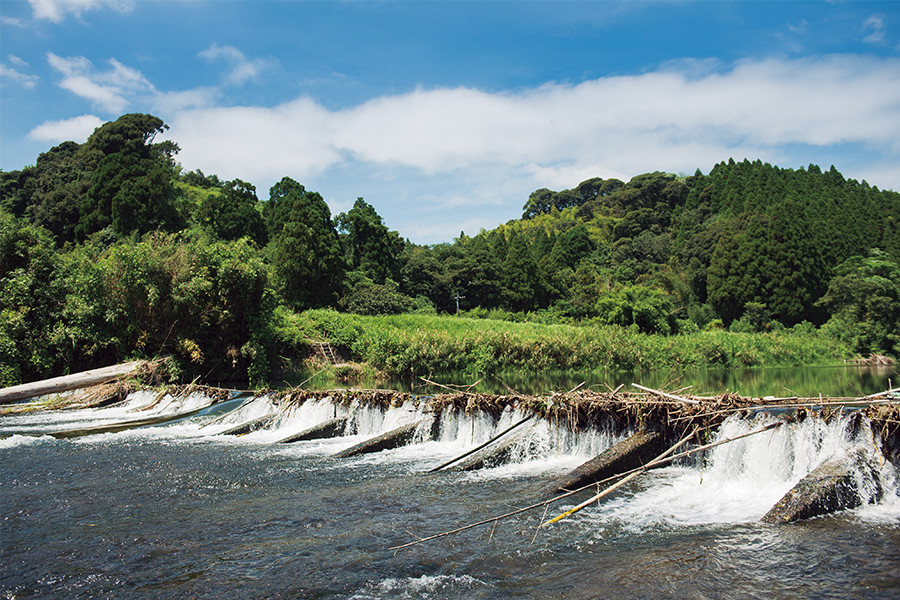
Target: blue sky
(446, 115)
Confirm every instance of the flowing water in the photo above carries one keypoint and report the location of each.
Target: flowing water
(176, 511)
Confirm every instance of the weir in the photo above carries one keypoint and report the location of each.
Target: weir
(594, 437)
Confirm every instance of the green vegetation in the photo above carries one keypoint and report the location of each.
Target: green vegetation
(109, 250)
(415, 344)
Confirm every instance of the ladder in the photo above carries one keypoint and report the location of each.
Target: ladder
(326, 352)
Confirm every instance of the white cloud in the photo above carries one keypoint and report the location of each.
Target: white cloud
(242, 69)
(441, 146)
(110, 90)
(25, 80)
(57, 10)
(875, 26)
(76, 129)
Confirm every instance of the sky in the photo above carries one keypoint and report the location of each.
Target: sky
(446, 115)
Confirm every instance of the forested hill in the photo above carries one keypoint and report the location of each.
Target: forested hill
(111, 249)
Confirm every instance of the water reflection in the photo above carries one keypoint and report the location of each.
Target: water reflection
(842, 381)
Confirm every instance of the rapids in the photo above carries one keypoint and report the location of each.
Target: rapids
(177, 511)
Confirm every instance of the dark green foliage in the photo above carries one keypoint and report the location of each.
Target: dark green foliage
(305, 248)
(370, 247)
(30, 294)
(864, 299)
(233, 213)
(378, 299)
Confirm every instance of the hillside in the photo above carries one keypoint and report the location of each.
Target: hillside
(111, 250)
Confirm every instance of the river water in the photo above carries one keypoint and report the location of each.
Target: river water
(176, 511)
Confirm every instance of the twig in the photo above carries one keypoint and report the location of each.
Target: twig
(666, 395)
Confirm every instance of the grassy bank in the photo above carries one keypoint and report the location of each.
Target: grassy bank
(415, 344)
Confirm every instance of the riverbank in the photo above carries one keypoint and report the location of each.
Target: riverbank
(410, 345)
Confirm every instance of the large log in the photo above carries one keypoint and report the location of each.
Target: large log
(57, 385)
(388, 441)
(830, 487)
(634, 452)
(331, 428)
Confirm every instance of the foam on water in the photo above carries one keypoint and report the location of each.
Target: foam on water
(740, 481)
(427, 586)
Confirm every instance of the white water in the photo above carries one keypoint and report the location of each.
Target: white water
(737, 483)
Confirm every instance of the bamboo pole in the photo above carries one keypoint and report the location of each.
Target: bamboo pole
(487, 443)
(618, 484)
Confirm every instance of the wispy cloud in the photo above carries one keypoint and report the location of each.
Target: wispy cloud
(17, 77)
(57, 10)
(874, 27)
(241, 69)
(109, 89)
(77, 129)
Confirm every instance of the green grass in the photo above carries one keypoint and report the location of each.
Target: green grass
(415, 344)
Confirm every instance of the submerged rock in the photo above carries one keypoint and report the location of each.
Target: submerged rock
(836, 484)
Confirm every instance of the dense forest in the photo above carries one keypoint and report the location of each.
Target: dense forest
(110, 249)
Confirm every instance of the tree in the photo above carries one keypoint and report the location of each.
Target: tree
(232, 213)
(132, 186)
(370, 247)
(864, 300)
(305, 248)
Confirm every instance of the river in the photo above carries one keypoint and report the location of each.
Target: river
(176, 511)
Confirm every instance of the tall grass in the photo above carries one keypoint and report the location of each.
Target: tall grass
(415, 344)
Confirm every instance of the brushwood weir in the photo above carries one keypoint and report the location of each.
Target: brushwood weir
(178, 510)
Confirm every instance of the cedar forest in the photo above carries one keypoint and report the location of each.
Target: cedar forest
(111, 250)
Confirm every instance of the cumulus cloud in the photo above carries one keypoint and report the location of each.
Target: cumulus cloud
(109, 89)
(57, 10)
(612, 124)
(242, 69)
(76, 129)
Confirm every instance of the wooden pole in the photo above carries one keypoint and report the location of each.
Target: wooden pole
(487, 443)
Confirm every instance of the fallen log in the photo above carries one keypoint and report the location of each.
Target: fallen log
(387, 441)
(331, 428)
(75, 381)
(251, 426)
(830, 487)
(631, 453)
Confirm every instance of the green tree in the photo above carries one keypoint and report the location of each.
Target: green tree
(864, 300)
(233, 213)
(305, 249)
(370, 246)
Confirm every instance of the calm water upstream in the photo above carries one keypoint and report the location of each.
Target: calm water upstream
(176, 511)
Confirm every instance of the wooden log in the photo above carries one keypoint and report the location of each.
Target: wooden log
(386, 441)
(250, 426)
(496, 455)
(631, 453)
(331, 428)
(830, 487)
(57, 385)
